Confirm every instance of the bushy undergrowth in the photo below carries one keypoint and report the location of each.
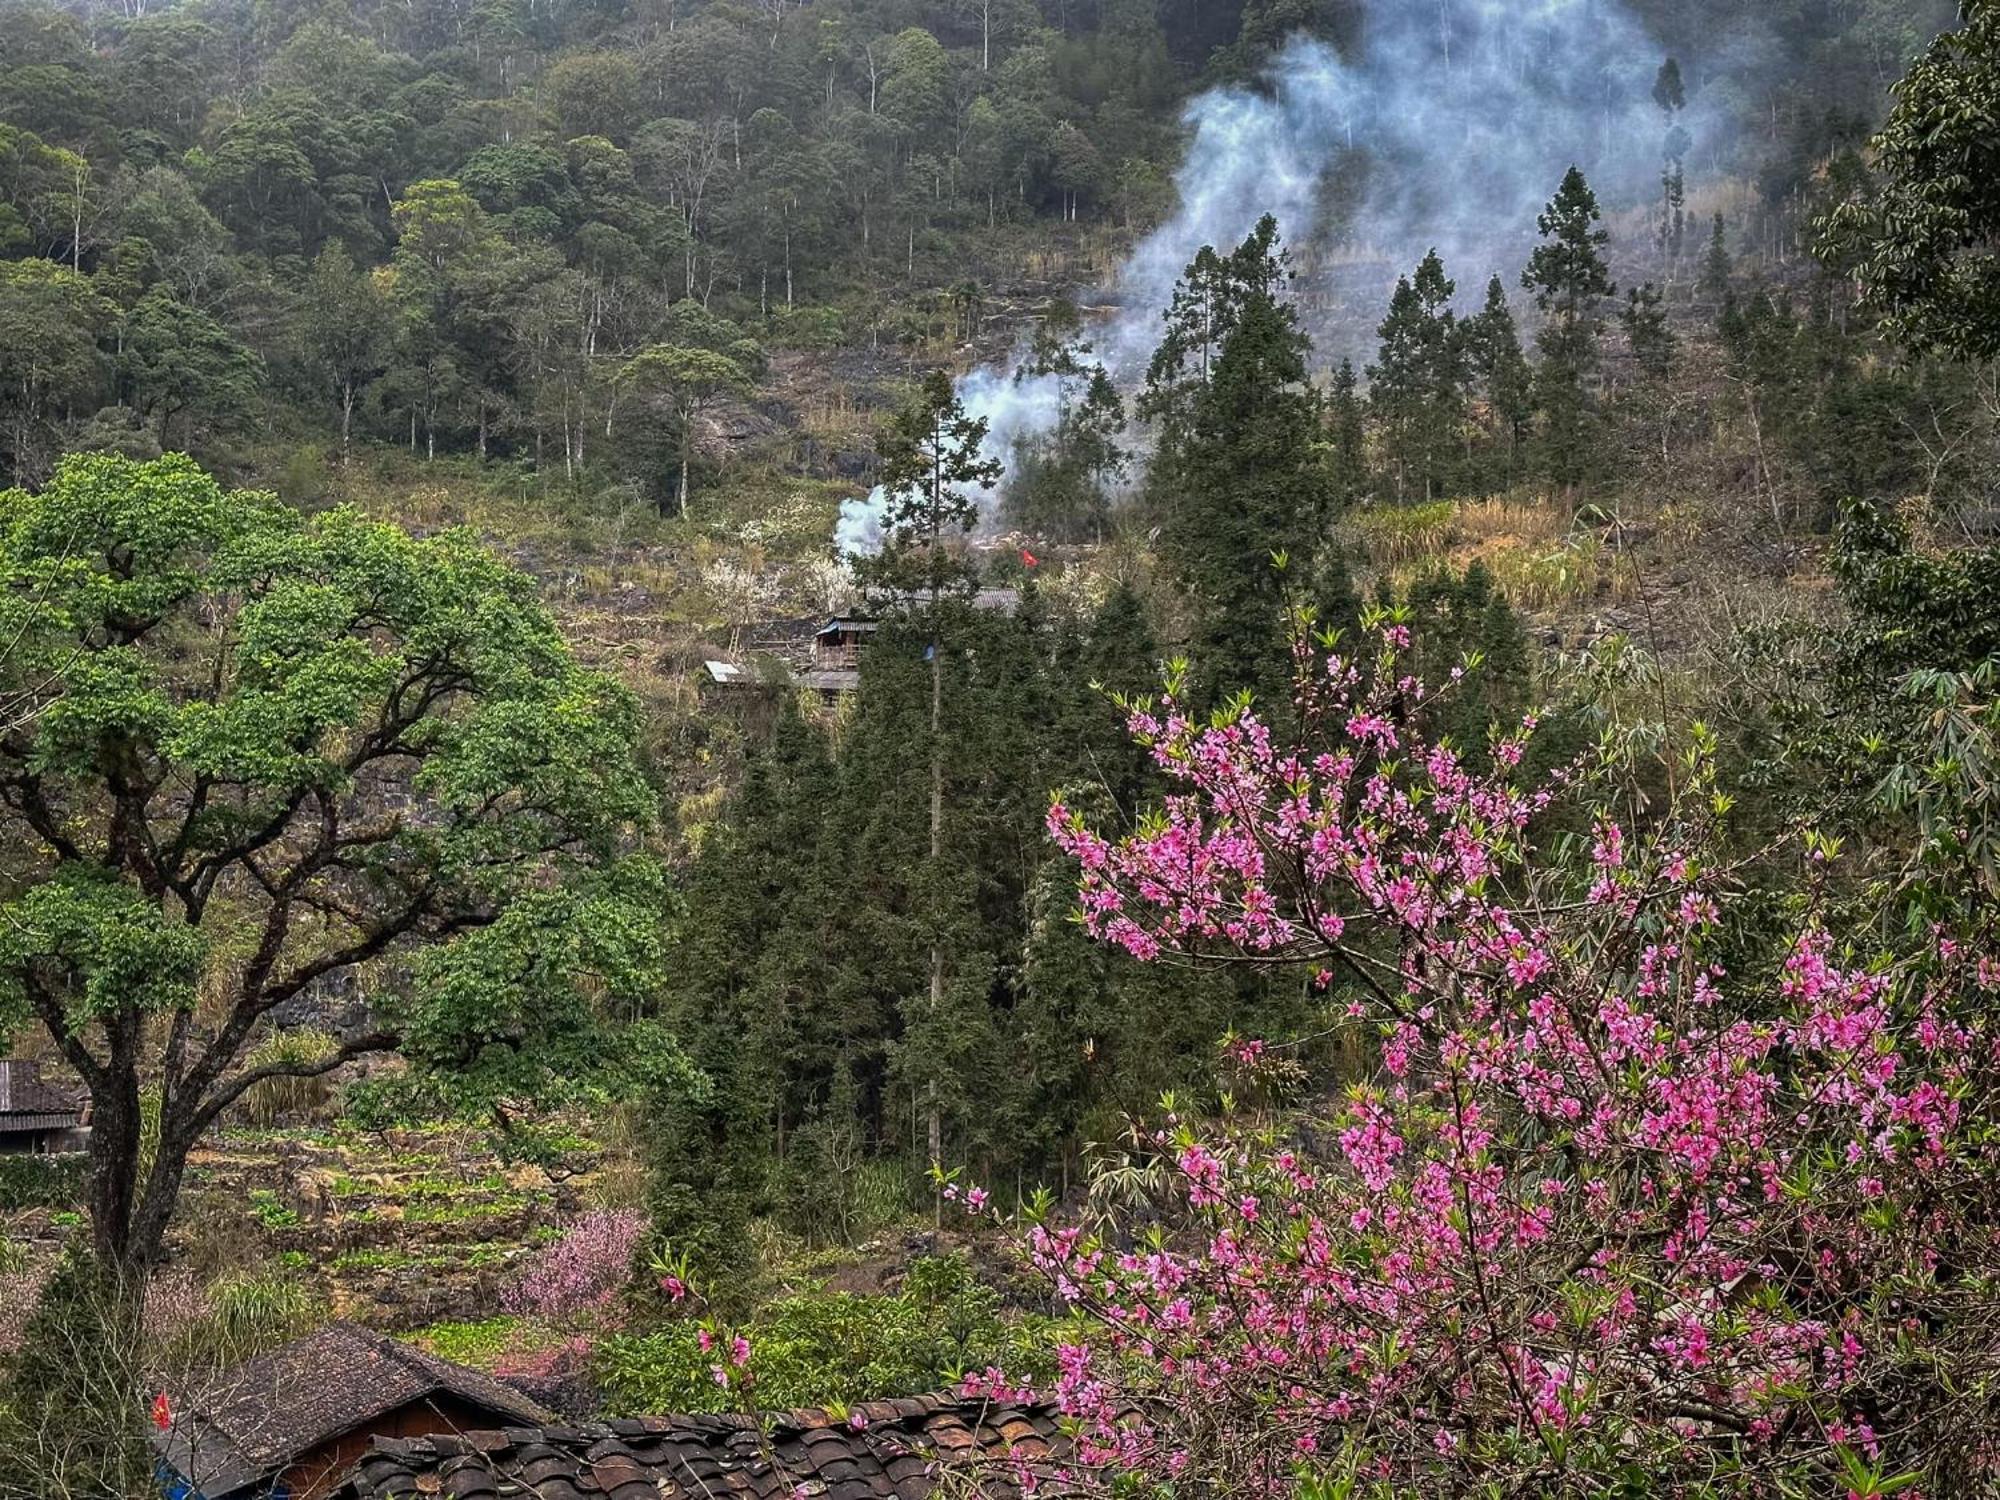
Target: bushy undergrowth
(41, 1181)
(829, 1349)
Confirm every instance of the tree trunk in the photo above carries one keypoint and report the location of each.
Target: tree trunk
(346, 420)
(934, 1121)
(687, 458)
(114, 1167)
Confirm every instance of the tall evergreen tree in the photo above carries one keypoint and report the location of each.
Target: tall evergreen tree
(1417, 386)
(1569, 278)
(1715, 265)
(931, 464)
(1670, 93)
(1347, 427)
(1238, 478)
(1505, 379)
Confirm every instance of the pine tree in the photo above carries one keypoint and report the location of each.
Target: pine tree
(1671, 95)
(1493, 343)
(1417, 386)
(1715, 266)
(1646, 329)
(1061, 485)
(1237, 479)
(1569, 278)
(1348, 431)
(931, 462)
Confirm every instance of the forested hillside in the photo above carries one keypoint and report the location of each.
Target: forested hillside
(1267, 725)
(455, 227)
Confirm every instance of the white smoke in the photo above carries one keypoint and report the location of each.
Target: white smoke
(1012, 411)
(1450, 126)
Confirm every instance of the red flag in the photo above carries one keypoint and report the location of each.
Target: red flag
(1030, 559)
(163, 1416)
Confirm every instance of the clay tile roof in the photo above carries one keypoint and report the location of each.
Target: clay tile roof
(257, 1418)
(26, 1100)
(885, 1450)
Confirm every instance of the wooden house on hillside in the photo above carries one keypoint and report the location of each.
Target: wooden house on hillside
(831, 665)
(291, 1424)
(37, 1116)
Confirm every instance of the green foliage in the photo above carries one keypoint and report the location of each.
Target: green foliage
(271, 1211)
(71, 1418)
(168, 633)
(832, 1349)
(41, 1181)
(1924, 246)
(1239, 478)
(180, 360)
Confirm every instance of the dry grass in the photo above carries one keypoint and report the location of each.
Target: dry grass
(281, 1100)
(1511, 518)
(1522, 541)
(1394, 535)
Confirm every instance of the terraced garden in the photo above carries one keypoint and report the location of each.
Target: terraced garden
(397, 1228)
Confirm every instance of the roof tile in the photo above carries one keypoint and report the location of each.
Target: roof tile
(899, 1452)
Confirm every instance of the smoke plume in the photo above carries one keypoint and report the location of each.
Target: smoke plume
(1449, 124)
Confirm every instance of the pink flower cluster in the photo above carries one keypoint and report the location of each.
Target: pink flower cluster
(1597, 1208)
(583, 1272)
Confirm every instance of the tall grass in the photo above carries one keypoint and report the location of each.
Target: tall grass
(1392, 535)
(275, 1101)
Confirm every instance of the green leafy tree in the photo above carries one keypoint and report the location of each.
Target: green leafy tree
(50, 322)
(1568, 277)
(1924, 246)
(180, 361)
(347, 332)
(594, 93)
(251, 753)
(692, 380)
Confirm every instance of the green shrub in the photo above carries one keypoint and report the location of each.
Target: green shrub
(71, 1421)
(821, 1350)
(253, 1312)
(42, 1181)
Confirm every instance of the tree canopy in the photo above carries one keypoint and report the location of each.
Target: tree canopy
(250, 753)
